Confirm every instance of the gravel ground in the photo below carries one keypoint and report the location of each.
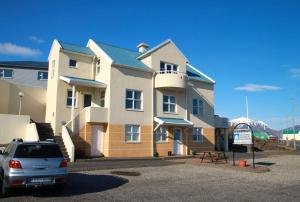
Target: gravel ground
(180, 182)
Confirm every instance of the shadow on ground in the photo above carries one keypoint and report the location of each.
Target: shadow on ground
(77, 184)
(264, 163)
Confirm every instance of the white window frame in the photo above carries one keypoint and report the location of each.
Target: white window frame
(2, 73)
(199, 135)
(75, 65)
(132, 99)
(169, 103)
(199, 108)
(165, 70)
(159, 132)
(75, 98)
(42, 73)
(131, 133)
(102, 99)
(98, 68)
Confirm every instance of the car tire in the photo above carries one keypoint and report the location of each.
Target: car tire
(59, 187)
(4, 189)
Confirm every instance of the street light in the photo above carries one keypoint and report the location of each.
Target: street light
(21, 95)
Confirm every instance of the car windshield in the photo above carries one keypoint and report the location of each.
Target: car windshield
(38, 151)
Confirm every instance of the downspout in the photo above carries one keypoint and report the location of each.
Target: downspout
(153, 89)
(186, 113)
(73, 106)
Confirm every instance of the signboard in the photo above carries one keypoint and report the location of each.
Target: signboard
(242, 136)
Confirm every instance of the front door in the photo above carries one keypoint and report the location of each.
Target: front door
(87, 100)
(177, 147)
(97, 140)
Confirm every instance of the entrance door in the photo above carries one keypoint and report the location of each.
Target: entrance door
(87, 100)
(177, 147)
(97, 140)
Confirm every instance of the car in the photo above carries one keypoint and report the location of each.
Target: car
(32, 164)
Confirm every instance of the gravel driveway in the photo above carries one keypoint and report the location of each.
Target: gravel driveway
(180, 182)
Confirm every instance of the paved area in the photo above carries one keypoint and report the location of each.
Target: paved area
(180, 182)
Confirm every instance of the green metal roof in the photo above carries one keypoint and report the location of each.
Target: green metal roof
(287, 132)
(77, 48)
(82, 82)
(196, 75)
(25, 64)
(122, 56)
(173, 121)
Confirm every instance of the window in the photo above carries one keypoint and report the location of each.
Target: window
(42, 75)
(102, 98)
(98, 65)
(197, 135)
(161, 134)
(73, 63)
(133, 99)
(169, 104)
(198, 107)
(132, 133)
(69, 99)
(6, 73)
(38, 151)
(168, 67)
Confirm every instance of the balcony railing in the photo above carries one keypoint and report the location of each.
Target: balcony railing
(171, 79)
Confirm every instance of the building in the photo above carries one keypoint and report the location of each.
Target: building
(291, 135)
(27, 78)
(117, 102)
(29, 73)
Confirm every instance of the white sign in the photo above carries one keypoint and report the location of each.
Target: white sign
(242, 136)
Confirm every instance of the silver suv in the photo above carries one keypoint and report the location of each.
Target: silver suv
(32, 164)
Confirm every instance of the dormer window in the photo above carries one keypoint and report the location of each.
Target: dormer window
(72, 63)
(168, 68)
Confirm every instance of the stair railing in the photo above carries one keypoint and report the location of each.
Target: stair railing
(68, 143)
(78, 120)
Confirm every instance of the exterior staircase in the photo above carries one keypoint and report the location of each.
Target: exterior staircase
(45, 131)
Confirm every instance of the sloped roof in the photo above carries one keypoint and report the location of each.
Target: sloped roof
(122, 56)
(197, 75)
(173, 121)
(76, 48)
(82, 82)
(25, 64)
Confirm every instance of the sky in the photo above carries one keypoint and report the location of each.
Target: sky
(250, 48)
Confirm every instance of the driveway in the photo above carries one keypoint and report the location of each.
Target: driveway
(180, 182)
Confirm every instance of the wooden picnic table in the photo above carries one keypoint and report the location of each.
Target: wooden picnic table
(213, 156)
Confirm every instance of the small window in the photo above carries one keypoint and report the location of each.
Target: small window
(42, 75)
(102, 98)
(169, 104)
(98, 66)
(198, 107)
(133, 100)
(6, 73)
(168, 68)
(73, 63)
(132, 133)
(161, 134)
(69, 99)
(197, 135)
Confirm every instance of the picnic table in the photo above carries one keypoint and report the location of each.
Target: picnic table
(214, 157)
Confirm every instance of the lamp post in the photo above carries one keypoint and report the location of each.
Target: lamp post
(21, 95)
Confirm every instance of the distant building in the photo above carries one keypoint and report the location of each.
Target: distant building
(29, 73)
(289, 135)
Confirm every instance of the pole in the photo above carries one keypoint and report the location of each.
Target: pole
(20, 105)
(73, 106)
(293, 120)
(247, 111)
(253, 163)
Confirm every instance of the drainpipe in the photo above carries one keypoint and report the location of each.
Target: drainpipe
(73, 106)
(153, 89)
(186, 112)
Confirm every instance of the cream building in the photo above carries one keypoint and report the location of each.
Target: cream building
(116, 102)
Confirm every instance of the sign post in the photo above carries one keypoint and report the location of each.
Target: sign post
(243, 135)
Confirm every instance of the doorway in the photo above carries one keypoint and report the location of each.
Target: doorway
(87, 100)
(97, 140)
(177, 147)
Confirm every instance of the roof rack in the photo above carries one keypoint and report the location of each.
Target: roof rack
(17, 140)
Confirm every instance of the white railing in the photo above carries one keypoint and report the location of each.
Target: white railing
(171, 72)
(78, 122)
(68, 143)
(31, 132)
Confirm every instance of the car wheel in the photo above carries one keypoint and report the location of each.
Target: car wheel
(4, 189)
(59, 187)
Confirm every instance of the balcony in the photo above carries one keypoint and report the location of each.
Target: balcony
(96, 114)
(171, 80)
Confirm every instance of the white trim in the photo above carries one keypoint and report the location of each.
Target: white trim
(169, 103)
(161, 122)
(195, 69)
(55, 41)
(99, 48)
(139, 132)
(155, 48)
(133, 99)
(72, 82)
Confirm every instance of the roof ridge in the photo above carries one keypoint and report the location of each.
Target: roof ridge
(115, 46)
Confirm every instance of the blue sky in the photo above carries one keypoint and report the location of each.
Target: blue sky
(249, 47)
